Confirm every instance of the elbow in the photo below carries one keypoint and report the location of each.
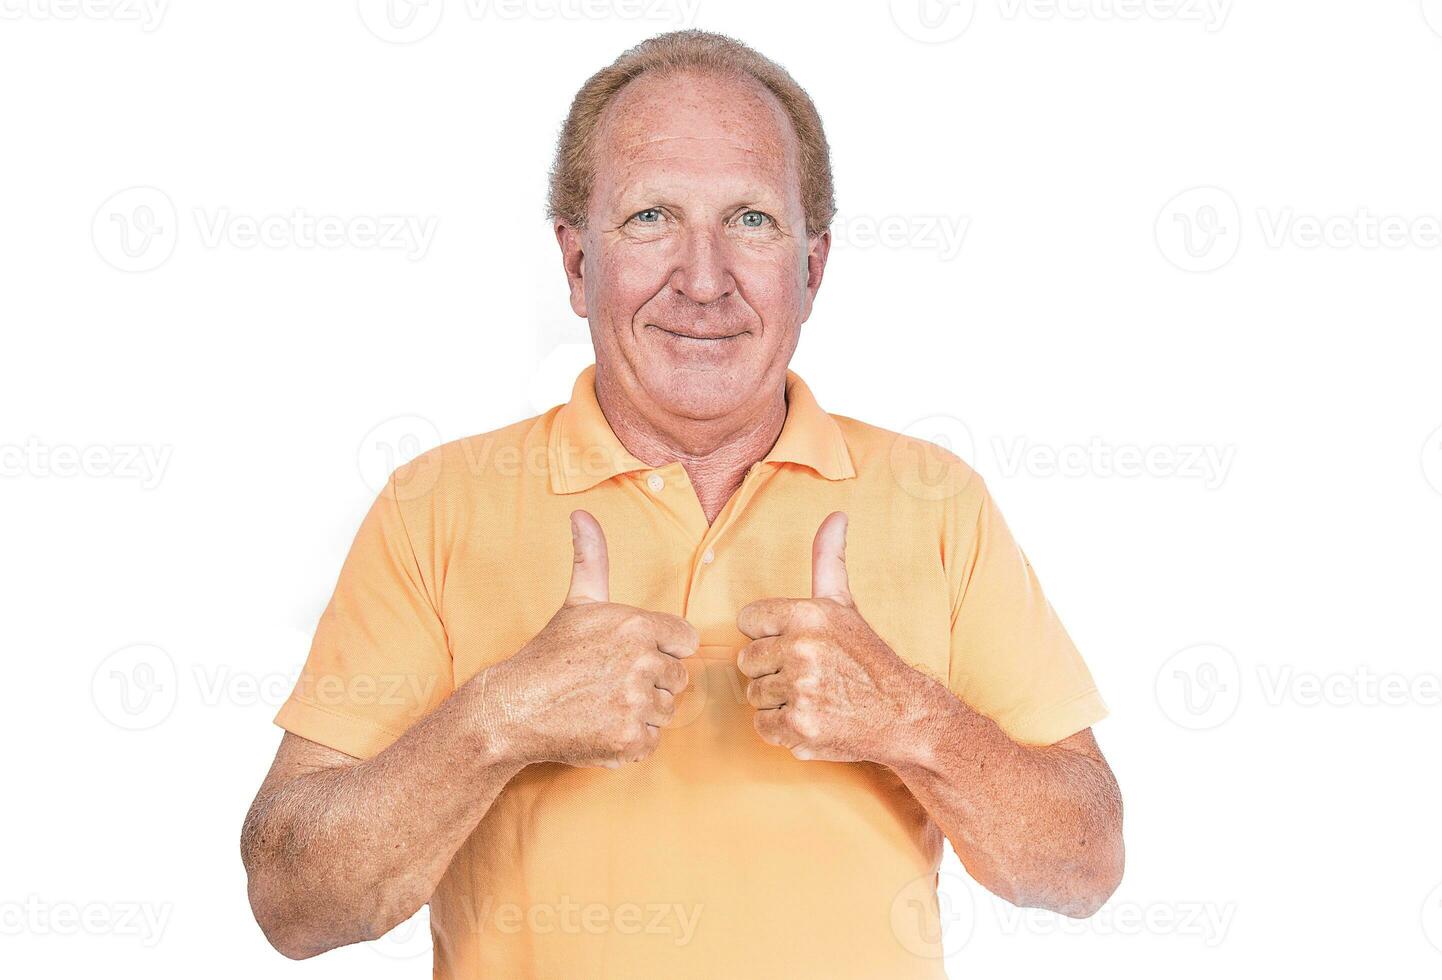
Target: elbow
(289, 934)
(300, 927)
(1093, 887)
(1078, 892)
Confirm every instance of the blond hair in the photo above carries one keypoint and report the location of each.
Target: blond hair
(702, 51)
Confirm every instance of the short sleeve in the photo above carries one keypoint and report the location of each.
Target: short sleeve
(379, 660)
(1011, 659)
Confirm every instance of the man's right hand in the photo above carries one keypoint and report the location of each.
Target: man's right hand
(596, 685)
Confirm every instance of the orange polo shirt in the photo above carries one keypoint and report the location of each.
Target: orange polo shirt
(720, 855)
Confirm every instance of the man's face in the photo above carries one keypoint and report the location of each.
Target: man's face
(695, 270)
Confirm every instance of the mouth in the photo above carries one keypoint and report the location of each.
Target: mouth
(699, 337)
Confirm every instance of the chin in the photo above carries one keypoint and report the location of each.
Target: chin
(702, 391)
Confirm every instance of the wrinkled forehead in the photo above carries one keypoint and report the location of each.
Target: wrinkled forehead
(672, 119)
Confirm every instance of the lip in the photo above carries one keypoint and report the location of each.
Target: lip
(693, 336)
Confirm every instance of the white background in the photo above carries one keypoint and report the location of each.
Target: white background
(1212, 419)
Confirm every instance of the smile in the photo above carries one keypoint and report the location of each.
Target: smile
(695, 337)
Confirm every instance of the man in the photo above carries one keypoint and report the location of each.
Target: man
(686, 677)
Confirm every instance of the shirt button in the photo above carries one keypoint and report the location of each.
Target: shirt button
(708, 556)
(655, 482)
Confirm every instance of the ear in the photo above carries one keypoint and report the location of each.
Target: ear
(817, 250)
(573, 261)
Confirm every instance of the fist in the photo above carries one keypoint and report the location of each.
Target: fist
(597, 684)
(823, 684)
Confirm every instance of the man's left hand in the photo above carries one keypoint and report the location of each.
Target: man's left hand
(824, 684)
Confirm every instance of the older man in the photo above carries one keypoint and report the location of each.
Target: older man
(685, 677)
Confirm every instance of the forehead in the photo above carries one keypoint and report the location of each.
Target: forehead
(659, 123)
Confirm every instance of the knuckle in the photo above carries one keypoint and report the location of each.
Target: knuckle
(635, 623)
(807, 649)
(647, 663)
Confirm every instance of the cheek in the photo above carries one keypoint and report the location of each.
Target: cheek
(773, 287)
(624, 280)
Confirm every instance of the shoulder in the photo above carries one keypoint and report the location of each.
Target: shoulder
(922, 466)
(477, 466)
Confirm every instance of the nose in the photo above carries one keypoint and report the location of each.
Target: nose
(703, 272)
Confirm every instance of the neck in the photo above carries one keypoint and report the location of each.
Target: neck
(716, 453)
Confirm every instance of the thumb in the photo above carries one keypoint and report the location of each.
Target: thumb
(591, 573)
(828, 560)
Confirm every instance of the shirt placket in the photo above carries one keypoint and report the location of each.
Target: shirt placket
(671, 488)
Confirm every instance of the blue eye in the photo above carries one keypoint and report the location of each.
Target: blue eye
(648, 216)
(754, 219)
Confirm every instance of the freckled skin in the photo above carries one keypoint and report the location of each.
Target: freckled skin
(695, 273)
(695, 227)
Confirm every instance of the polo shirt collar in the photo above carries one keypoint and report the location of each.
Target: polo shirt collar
(583, 450)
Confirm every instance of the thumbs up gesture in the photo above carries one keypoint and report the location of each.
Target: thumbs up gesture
(823, 684)
(595, 686)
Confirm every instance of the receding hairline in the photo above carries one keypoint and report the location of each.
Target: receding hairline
(699, 54)
(616, 111)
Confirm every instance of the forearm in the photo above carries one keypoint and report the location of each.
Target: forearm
(1038, 825)
(341, 855)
